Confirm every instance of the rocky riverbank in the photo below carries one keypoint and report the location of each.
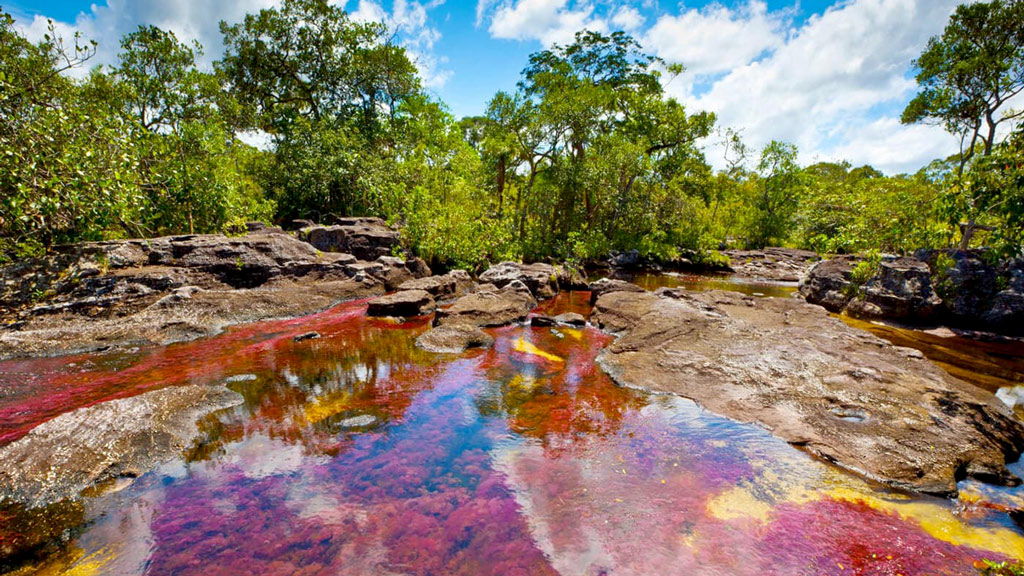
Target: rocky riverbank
(839, 392)
(95, 296)
(843, 394)
(956, 288)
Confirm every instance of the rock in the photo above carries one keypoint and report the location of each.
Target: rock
(122, 438)
(261, 228)
(607, 285)
(539, 278)
(627, 260)
(829, 283)
(967, 287)
(403, 303)
(490, 306)
(366, 239)
(454, 339)
(841, 393)
(541, 320)
(773, 264)
(571, 319)
(361, 421)
(454, 284)
(306, 336)
(392, 271)
(299, 224)
(901, 289)
(571, 278)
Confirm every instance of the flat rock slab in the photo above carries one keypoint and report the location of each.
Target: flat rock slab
(404, 303)
(843, 394)
(489, 306)
(454, 339)
(123, 438)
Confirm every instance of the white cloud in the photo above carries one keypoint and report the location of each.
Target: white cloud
(628, 18)
(835, 86)
(717, 39)
(200, 20)
(549, 21)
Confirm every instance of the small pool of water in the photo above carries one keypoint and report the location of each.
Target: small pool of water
(357, 453)
(703, 282)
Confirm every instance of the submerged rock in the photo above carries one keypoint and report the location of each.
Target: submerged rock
(490, 306)
(404, 303)
(841, 393)
(307, 336)
(122, 438)
(454, 339)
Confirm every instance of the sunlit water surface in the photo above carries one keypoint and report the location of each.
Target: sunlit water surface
(359, 454)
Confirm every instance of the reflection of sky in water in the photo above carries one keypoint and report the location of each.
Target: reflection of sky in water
(525, 459)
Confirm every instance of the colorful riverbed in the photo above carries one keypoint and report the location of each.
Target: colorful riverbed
(357, 453)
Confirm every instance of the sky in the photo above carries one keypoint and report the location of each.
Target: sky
(831, 77)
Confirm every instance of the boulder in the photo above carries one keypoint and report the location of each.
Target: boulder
(627, 260)
(571, 319)
(542, 321)
(122, 438)
(840, 393)
(402, 304)
(454, 284)
(490, 306)
(829, 283)
(607, 285)
(539, 278)
(366, 239)
(901, 289)
(569, 277)
(454, 339)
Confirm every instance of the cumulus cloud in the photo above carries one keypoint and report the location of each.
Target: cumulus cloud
(548, 21)
(835, 82)
(199, 20)
(628, 18)
(717, 39)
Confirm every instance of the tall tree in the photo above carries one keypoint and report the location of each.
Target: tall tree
(967, 75)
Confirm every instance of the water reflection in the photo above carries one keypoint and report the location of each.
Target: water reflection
(523, 459)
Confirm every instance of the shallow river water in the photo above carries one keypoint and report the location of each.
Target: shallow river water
(357, 453)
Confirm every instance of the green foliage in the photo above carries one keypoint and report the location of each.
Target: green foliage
(864, 271)
(966, 77)
(1008, 568)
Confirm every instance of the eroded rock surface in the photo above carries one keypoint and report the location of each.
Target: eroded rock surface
(454, 284)
(404, 303)
(364, 238)
(540, 278)
(142, 292)
(489, 306)
(775, 264)
(454, 338)
(608, 285)
(122, 438)
(841, 393)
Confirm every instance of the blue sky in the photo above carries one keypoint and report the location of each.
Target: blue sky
(831, 77)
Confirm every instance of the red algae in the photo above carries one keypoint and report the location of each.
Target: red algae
(357, 453)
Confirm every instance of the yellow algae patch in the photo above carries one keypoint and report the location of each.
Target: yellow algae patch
(72, 564)
(528, 348)
(573, 333)
(322, 408)
(736, 503)
(522, 383)
(940, 523)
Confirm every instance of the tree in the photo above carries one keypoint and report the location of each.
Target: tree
(966, 77)
(779, 185)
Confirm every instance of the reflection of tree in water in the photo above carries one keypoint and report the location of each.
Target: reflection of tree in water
(303, 391)
(558, 403)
